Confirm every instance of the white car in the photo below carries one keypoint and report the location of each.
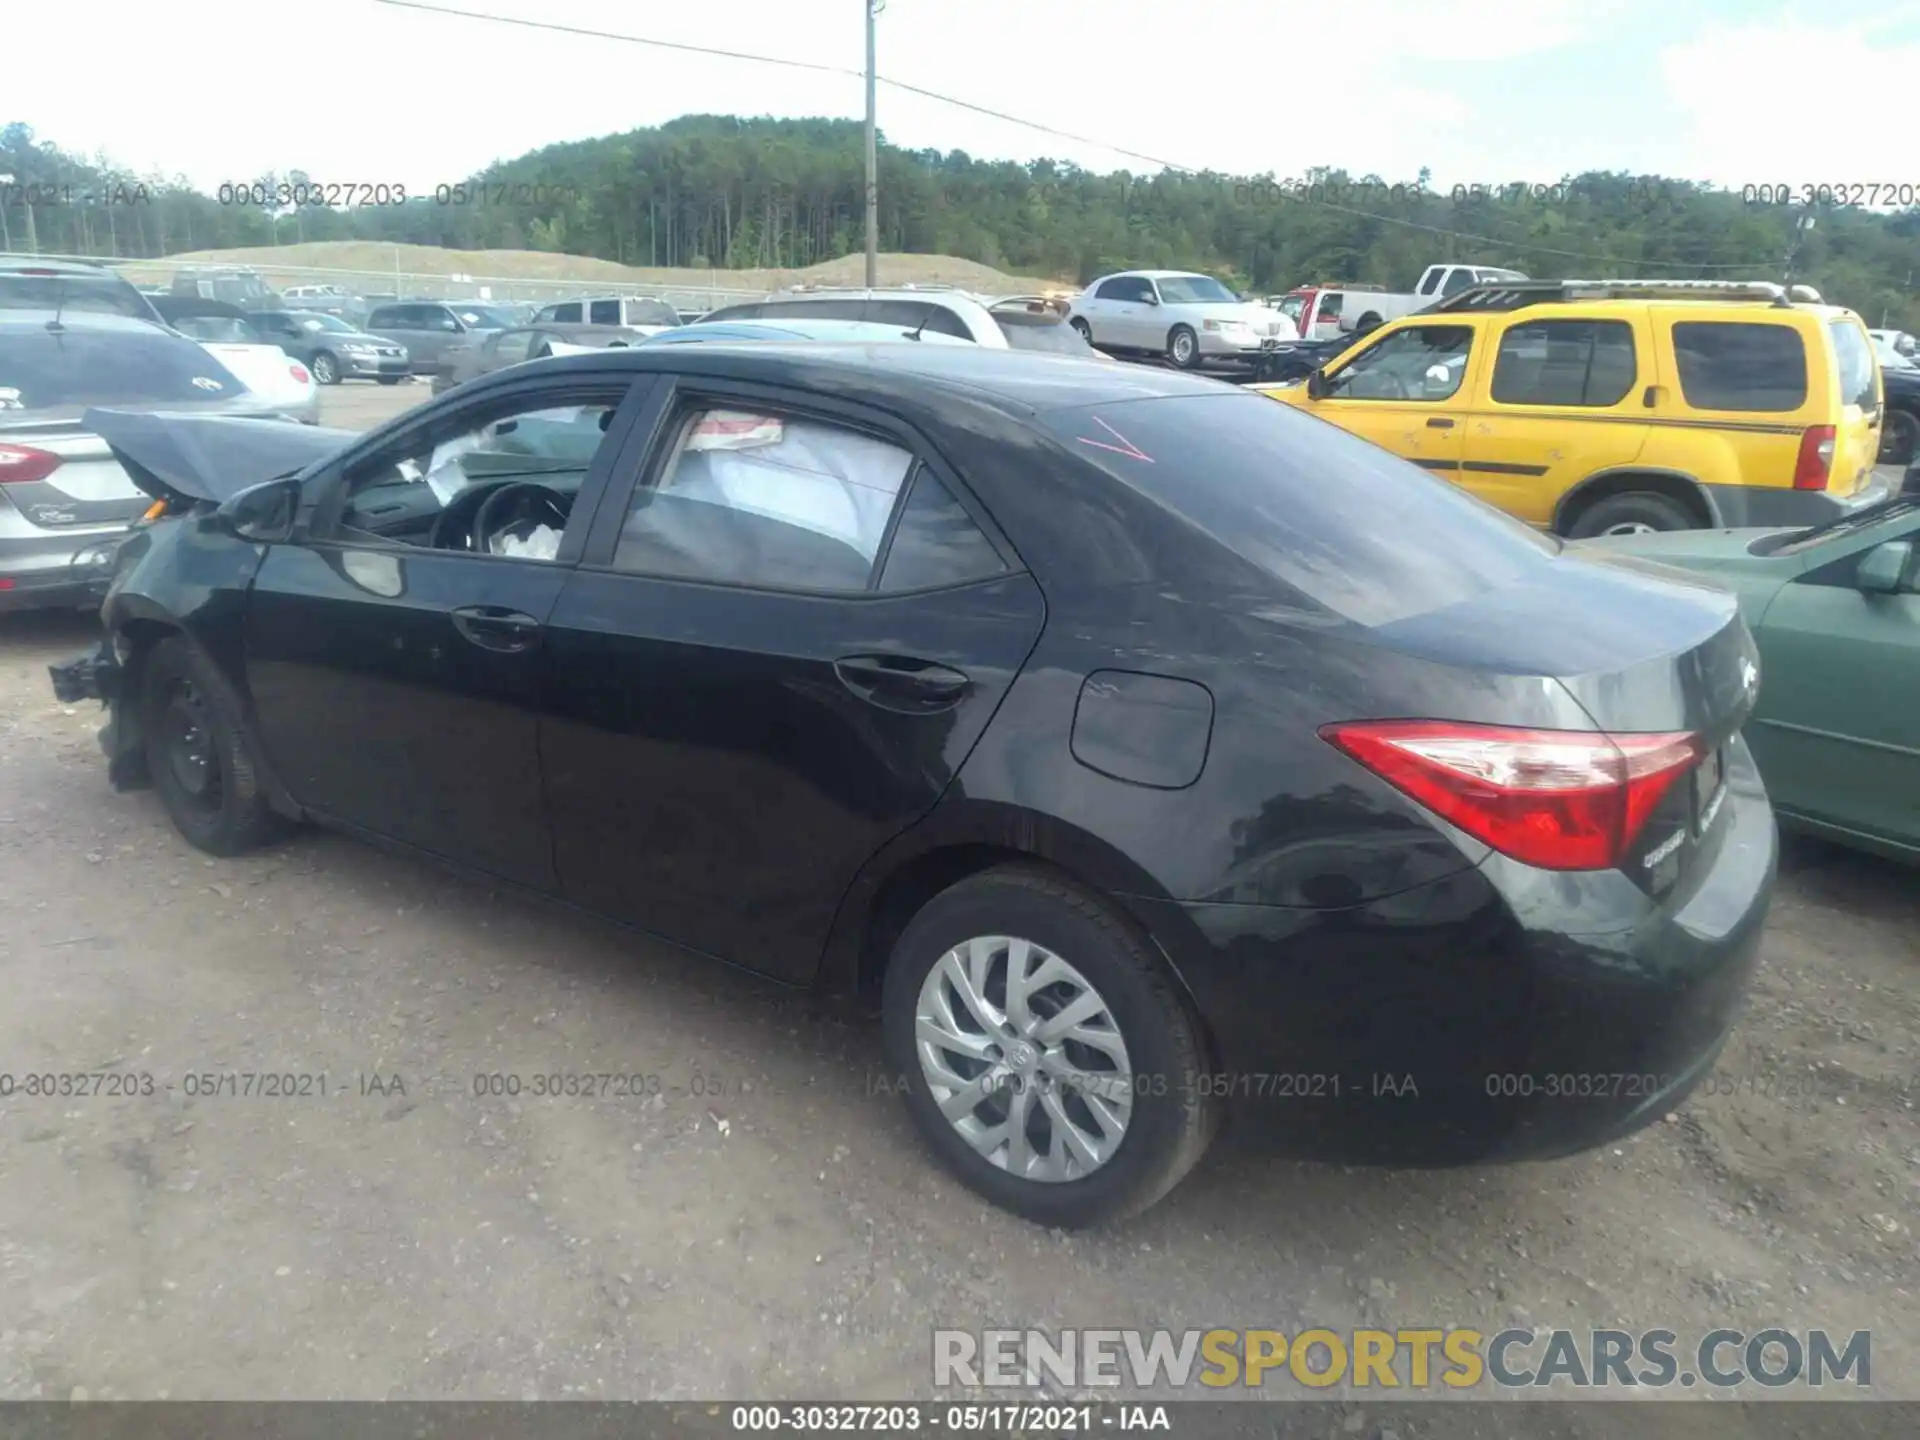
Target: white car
(1183, 316)
(266, 370)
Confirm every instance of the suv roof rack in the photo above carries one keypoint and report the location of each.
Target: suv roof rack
(1514, 294)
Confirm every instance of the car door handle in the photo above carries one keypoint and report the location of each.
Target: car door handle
(494, 627)
(898, 682)
(1439, 422)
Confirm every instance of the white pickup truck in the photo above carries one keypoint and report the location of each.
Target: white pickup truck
(1323, 311)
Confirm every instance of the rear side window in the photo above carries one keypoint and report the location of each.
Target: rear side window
(1740, 365)
(1859, 380)
(40, 370)
(567, 314)
(384, 318)
(1565, 362)
(603, 312)
(1303, 500)
(936, 542)
(99, 295)
(912, 313)
(766, 500)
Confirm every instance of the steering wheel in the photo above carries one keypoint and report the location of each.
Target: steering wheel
(522, 501)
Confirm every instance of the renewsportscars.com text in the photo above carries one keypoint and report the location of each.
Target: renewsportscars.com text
(1451, 1358)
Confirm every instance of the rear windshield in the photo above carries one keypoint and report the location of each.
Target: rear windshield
(1739, 365)
(40, 370)
(1350, 527)
(98, 295)
(1053, 336)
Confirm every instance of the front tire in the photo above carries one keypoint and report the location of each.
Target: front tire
(1639, 512)
(326, 369)
(1048, 1057)
(1183, 347)
(199, 756)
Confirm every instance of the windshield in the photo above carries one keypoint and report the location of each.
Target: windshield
(216, 329)
(1195, 290)
(1302, 500)
(1896, 507)
(97, 295)
(323, 321)
(485, 317)
(42, 370)
(1293, 307)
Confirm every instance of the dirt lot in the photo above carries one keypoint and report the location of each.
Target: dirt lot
(768, 1225)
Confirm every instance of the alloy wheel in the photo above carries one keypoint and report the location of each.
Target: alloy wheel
(323, 369)
(1630, 527)
(1023, 1057)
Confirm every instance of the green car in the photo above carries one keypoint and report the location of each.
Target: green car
(1836, 613)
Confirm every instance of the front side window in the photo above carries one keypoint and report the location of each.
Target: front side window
(915, 314)
(1195, 290)
(1422, 362)
(435, 486)
(1740, 365)
(1112, 290)
(1565, 362)
(766, 500)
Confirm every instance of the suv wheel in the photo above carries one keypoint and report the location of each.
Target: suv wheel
(1900, 439)
(1045, 1053)
(1636, 513)
(199, 757)
(1183, 347)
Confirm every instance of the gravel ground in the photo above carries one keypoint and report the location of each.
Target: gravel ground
(767, 1224)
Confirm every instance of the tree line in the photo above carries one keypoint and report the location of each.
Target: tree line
(734, 192)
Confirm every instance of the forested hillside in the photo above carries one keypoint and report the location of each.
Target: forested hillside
(733, 192)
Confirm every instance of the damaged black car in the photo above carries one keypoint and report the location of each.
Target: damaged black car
(1159, 756)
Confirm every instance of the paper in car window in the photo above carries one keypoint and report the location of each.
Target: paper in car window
(734, 430)
(444, 474)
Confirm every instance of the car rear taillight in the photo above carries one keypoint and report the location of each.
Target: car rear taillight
(1815, 464)
(299, 373)
(20, 464)
(1556, 799)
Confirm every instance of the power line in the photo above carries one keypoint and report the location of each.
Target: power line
(1033, 125)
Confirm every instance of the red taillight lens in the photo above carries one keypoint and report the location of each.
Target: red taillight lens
(1815, 464)
(22, 463)
(1556, 799)
(299, 373)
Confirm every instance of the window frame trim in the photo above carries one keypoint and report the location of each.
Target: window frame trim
(673, 399)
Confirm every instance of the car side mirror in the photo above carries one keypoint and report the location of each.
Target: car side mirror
(1151, 299)
(1887, 569)
(1317, 385)
(261, 512)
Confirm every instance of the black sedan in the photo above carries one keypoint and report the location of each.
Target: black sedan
(1160, 755)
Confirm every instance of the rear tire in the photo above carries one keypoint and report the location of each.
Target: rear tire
(199, 756)
(1106, 1149)
(326, 369)
(1635, 513)
(1899, 439)
(1086, 330)
(1183, 347)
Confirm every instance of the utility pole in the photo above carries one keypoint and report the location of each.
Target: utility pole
(873, 8)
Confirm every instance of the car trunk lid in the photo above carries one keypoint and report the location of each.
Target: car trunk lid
(60, 476)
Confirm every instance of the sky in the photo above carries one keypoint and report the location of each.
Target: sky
(1481, 92)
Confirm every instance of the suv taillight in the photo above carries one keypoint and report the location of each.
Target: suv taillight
(1815, 465)
(20, 464)
(1556, 799)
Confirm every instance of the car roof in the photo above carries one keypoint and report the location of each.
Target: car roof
(1018, 382)
(798, 328)
(18, 320)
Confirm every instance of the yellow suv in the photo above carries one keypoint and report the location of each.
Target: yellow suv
(1612, 407)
